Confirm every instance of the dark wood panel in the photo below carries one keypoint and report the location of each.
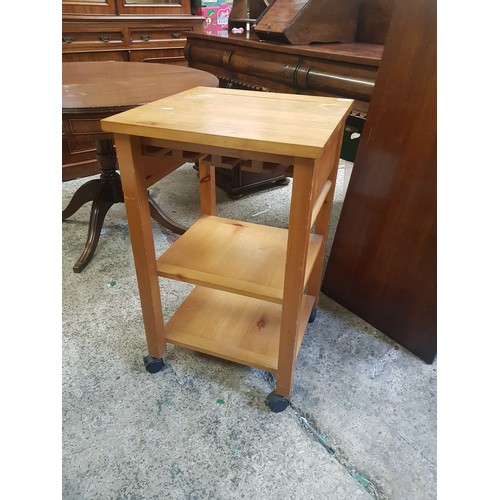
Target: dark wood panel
(113, 7)
(382, 264)
(82, 7)
(374, 18)
(118, 55)
(78, 159)
(171, 55)
(173, 8)
(79, 170)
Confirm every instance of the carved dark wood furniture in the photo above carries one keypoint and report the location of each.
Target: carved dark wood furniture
(382, 264)
(126, 30)
(330, 69)
(306, 21)
(95, 90)
(127, 38)
(126, 7)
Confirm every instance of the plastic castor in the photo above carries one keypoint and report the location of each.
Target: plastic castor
(236, 196)
(283, 182)
(153, 365)
(312, 316)
(276, 403)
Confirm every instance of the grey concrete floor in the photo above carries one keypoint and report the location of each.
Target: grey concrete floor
(362, 423)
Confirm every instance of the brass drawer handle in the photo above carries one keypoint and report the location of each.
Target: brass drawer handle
(69, 38)
(176, 35)
(146, 37)
(105, 38)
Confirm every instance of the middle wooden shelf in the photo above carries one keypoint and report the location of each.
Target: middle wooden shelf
(239, 257)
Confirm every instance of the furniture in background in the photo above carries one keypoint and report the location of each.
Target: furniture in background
(127, 30)
(122, 30)
(329, 69)
(120, 38)
(94, 90)
(244, 13)
(382, 264)
(126, 7)
(256, 286)
(307, 21)
(336, 69)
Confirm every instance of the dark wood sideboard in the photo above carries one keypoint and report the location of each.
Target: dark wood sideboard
(158, 39)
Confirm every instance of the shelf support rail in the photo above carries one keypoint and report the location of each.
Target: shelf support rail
(320, 200)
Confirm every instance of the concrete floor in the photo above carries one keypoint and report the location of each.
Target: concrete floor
(362, 423)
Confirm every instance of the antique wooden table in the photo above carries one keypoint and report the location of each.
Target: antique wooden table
(94, 90)
(256, 286)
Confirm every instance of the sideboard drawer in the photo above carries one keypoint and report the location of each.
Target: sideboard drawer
(92, 39)
(124, 38)
(169, 55)
(101, 55)
(149, 36)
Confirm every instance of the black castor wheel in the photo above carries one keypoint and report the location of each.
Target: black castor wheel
(236, 196)
(283, 182)
(276, 403)
(153, 365)
(312, 316)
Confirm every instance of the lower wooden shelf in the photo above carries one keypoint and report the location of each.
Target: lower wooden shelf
(233, 327)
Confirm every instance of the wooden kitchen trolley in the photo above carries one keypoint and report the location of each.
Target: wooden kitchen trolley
(257, 287)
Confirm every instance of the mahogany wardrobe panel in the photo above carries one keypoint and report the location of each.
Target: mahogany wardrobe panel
(382, 264)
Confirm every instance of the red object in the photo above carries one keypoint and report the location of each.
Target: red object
(216, 18)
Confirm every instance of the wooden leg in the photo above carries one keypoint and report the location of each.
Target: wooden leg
(163, 219)
(103, 193)
(322, 226)
(141, 237)
(298, 241)
(207, 188)
(85, 193)
(100, 205)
